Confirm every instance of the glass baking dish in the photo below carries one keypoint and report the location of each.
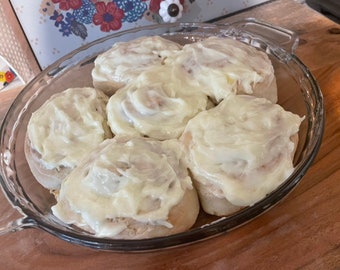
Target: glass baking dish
(298, 92)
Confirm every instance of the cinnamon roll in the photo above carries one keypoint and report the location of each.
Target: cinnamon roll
(126, 60)
(157, 104)
(130, 188)
(224, 66)
(240, 151)
(62, 131)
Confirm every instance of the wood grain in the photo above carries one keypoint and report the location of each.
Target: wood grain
(302, 232)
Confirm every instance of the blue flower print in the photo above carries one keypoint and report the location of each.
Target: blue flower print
(133, 9)
(85, 13)
(65, 29)
(58, 18)
(70, 18)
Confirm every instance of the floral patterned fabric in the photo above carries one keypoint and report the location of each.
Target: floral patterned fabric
(73, 17)
(54, 28)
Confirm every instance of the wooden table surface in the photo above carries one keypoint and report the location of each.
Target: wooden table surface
(302, 232)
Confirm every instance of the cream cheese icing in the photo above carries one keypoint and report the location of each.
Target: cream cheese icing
(223, 66)
(126, 60)
(125, 178)
(158, 104)
(241, 150)
(242, 147)
(68, 126)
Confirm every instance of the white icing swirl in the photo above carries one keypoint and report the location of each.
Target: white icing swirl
(242, 147)
(126, 60)
(135, 178)
(158, 104)
(223, 66)
(68, 126)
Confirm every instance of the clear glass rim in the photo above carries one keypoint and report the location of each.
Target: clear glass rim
(218, 227)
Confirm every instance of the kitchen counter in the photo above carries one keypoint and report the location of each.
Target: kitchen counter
(302, 232)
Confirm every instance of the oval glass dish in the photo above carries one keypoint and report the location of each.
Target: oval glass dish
(298, 93)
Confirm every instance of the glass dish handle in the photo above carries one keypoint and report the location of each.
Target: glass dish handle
(11, 220)
(284, 38)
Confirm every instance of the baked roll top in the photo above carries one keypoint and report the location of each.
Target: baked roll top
(158, 104)
(126, 60)
(223, 66)
(64, 129)
(242, 149)
(130, 188)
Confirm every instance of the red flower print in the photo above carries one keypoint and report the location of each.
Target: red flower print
(155, 5)
(108, 16)
(68, 4)
(9, 76)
